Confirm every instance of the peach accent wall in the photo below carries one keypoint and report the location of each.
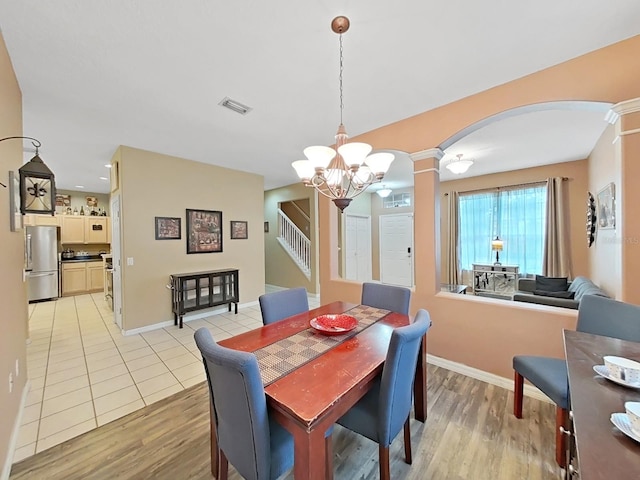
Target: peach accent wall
(482, 333)
(13, 292)
(153, 185)
(576, 185)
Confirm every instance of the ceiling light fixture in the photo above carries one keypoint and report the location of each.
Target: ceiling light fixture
(384, 192)
(459, 166)
(235, 106)
(346, 174)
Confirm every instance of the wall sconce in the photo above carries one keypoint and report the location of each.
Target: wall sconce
(37, 183)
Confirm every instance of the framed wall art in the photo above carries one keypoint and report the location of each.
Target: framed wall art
(204, 231)
(63, 200)
(168, 228)
(607, 207)
(239, 230)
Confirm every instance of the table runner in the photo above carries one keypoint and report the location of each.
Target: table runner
(284, 356)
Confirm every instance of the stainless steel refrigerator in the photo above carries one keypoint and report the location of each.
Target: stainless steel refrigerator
(42, 262)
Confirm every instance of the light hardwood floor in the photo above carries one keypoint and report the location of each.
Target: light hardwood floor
(470, 434)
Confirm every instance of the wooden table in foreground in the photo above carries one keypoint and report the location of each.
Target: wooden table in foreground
(310, 399)
(604, 452)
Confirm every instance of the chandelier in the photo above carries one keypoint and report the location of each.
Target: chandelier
(459, 166)
(344, 173)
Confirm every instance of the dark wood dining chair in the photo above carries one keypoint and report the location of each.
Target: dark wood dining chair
(389, 297)
(384, 410)
(276, 306)
(596, 315)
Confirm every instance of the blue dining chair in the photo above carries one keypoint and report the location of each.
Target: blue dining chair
(385, 408)
(389, 297)
(596, 315)
(247, 435)
(285, 303)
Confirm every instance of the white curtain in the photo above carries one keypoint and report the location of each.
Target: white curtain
(516, 215)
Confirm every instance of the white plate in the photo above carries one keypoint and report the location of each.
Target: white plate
(603, 371)
(621, 421)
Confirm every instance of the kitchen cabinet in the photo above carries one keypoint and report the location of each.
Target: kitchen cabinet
(84, 230)
(82, 277)
(32, 219)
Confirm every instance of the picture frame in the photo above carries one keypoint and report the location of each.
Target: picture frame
(15, 217)
(63, 200)
(606, 215)
(239, 230)
(168, 228)
(204, 231)
(92, 201)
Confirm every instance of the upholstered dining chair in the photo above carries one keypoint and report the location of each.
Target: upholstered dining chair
(384, 410)
(389, 297)
(247, 435)
(596, 315)
(278, 305)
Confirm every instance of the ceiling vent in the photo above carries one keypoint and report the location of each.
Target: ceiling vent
(235, 106)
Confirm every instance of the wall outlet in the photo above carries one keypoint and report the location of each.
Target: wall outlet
(17, 367)
(129, 261)
(11, 382)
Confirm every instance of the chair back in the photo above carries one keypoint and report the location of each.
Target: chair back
(240, 406)
(278, 305)
(389, 297)
(610, 318)
(398, 373)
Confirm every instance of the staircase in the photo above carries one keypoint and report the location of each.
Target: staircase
(295, 243)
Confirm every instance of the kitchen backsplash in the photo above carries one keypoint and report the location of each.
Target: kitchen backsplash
(94, 249)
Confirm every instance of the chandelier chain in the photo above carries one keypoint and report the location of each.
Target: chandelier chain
(341, 102)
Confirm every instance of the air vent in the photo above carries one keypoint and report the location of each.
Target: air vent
(235, 106)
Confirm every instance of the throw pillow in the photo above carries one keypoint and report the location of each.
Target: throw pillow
(551, 284)
(569, 295)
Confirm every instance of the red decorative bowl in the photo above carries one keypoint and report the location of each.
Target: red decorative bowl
(334, 324)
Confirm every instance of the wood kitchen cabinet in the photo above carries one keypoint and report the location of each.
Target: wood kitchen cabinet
(32, 219)
(82, 277)
(84, 230)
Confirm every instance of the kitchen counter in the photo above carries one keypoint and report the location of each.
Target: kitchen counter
(90, 258)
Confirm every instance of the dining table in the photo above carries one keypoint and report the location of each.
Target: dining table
(308, 400)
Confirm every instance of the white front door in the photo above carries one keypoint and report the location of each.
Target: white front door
(358, 247)
(115, 258)
(396, 249)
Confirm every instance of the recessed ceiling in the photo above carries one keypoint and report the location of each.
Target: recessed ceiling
(95, 74)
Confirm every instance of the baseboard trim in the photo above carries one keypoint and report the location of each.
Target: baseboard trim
(13, 441)
(187, 318)
(529, 390)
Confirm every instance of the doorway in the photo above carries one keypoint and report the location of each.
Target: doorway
(396, 249)
(357, 247)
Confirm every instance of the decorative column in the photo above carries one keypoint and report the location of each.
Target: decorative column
(626, 118)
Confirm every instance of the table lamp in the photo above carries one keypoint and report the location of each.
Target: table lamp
(496, 245)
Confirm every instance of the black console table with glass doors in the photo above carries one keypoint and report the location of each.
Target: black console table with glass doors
(200, 290)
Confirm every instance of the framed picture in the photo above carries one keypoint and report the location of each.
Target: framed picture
(63, 200)
(266, 227)
(168, 228)
(204, 231)
(92, 202)
(607, 207)
(239, 230)
(15, 217)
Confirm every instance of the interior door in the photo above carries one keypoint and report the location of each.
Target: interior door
(396, 249)
(115, 255)
(358, 247)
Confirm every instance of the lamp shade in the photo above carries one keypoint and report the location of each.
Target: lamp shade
(37, 187)
(319, 156)
(459, 166)
(497, 244)
(384, 193)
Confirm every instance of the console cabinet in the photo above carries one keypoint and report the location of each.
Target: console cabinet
(494, 279)
(200, 290)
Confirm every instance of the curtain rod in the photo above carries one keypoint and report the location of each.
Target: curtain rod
(539, 182)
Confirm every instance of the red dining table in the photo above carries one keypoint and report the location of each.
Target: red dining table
(309, 400)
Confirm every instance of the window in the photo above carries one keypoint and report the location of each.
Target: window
(516, 215)
(397, 200)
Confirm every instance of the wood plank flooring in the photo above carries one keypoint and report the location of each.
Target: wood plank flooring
(470, 434)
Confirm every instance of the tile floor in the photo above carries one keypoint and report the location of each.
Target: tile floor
(85, 373)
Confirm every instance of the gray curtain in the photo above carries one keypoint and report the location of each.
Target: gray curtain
(453, 275)
(557, 250)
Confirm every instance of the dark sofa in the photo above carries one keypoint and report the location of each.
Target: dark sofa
(580, 286)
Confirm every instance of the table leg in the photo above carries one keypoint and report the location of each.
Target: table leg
(310, 455)
(420, 383)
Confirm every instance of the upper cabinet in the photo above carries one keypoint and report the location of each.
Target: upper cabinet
(84, 229)
(31, 219)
